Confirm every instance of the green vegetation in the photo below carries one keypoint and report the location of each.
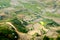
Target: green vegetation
(52, 14)
(58, 38)
(6, 33)
(25, 14)
(4, 3)
(45, 38)
(58, 31)
(19, 25)
(48, 22)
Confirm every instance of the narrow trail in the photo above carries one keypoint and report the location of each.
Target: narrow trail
(22, 36)
(13, 27)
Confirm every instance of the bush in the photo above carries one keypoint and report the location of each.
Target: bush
(19, 25)
(7, 34)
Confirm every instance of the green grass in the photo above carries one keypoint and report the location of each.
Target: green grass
(33, 7)
(56, 15)
(4, 3)
(49, 22)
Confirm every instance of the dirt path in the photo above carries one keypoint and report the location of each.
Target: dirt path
(22, 36)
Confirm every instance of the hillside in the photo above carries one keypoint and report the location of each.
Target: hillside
(29, 19)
